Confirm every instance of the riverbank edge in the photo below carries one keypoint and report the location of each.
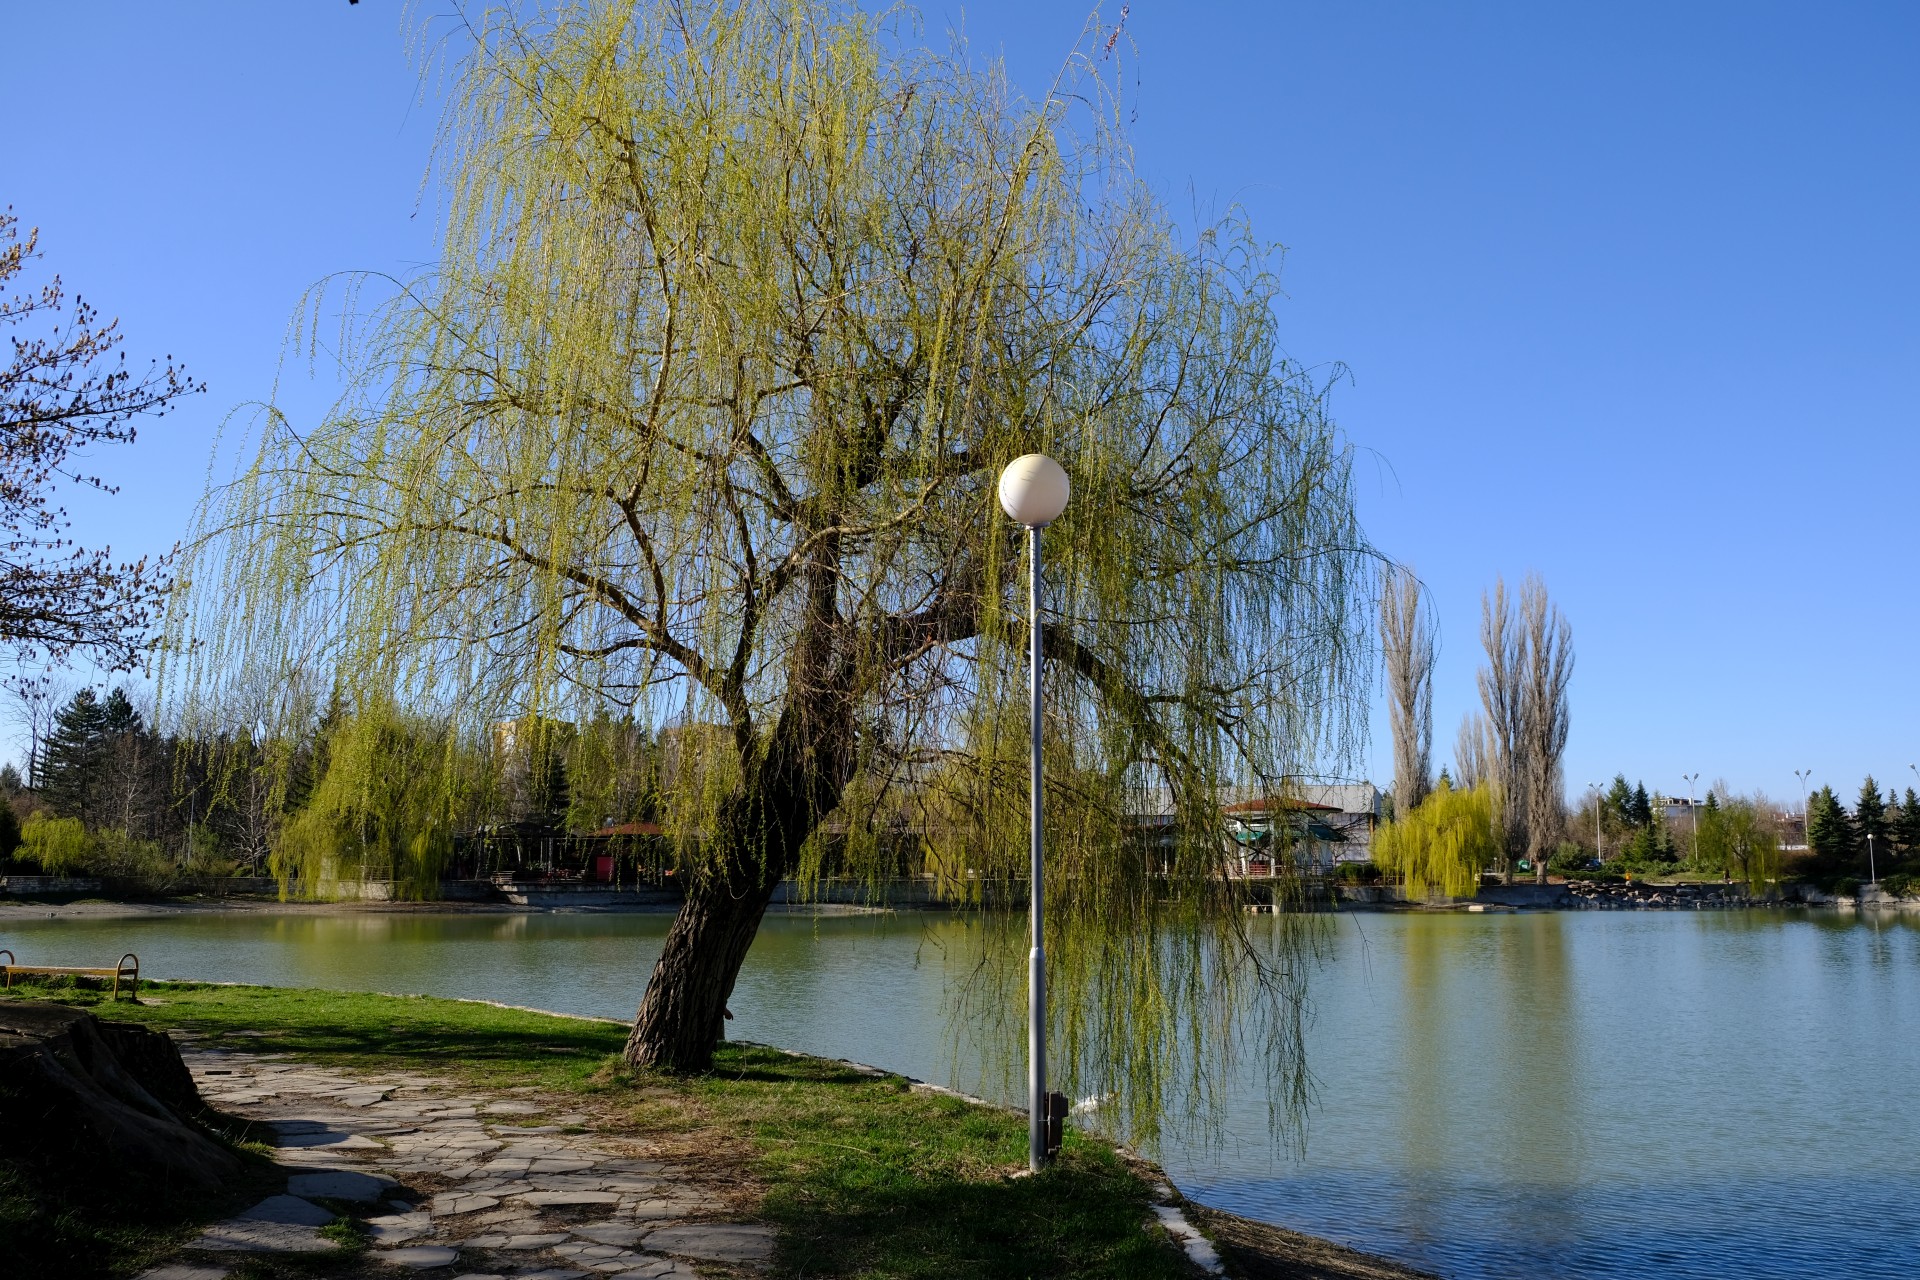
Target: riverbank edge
(39, 908)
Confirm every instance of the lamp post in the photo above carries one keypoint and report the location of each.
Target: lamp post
(1694, 810)
(1806, 827)
(1873, 876)
(1034, 491)
(1599, 851)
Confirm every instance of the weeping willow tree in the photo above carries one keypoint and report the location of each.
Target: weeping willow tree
(381, 808)
(1445, 843)
(740, 310)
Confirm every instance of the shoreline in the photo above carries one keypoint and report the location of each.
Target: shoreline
(163, 908)
(19, 908)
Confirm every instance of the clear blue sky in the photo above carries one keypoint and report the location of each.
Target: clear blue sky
(1630, 296)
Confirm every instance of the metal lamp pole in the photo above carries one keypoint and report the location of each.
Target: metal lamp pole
(1599, 850)
(1806, 828)
(1034, 491)
(1873, 876)
(1694, 810)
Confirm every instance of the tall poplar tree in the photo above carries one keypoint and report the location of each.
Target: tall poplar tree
(739, 313)
(1407, 647)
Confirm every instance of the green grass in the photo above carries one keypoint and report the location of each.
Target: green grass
(863, 1176)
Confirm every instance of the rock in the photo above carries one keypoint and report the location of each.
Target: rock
(78, 1095)
(183, 1272)
(680, 1206)
(594, 1255)
(288, 1209)
(714, 1242)
(339, 1184)
(249, 1235)
(459, 1202)
(398, 1228)
(613, 1233)
(419, 1256)
(534, 1240)
(555, 1199)
(330, 1139)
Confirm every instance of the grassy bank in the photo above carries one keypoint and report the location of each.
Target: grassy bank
(861, 1175)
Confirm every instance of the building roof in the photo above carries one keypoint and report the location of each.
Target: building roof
(1280, 802)
(1335, 797)
(628, 829)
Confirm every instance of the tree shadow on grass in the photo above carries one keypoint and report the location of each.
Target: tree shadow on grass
(867, 1177)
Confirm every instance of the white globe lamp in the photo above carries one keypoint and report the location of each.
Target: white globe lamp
(1034, 490)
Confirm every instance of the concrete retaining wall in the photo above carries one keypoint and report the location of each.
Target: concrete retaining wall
(34, 886)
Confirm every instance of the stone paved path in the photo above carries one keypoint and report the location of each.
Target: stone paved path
(451, 1184)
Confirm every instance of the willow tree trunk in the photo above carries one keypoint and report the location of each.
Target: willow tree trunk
(755, 844)
(785, 791)
(684, 1010)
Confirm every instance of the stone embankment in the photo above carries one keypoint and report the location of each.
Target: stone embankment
(1593, 895)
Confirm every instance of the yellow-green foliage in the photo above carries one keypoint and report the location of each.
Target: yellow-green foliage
(1444, 844)
(380, 809)
(739, 311)
(61, 846)
(1734, 840)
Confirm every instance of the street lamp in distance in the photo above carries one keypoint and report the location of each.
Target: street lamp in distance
(1694, 810)
(1806, 827)
(1034, 491)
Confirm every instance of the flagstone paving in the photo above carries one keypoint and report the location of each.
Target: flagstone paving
(445, 1183)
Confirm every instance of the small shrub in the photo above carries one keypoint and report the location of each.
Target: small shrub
(1846, 887)
(1357, 873)
(1571, 861)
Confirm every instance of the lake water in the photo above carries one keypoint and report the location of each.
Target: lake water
(1586, 1094)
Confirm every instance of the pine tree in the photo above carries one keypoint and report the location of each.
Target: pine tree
(118, 715)
(73, 756)
(1907, 829)
(1641, 814)
(1619, 800)
(1830, 831)
(1870, 813)
(80, 750)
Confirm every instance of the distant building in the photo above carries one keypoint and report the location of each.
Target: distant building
(1320, 824)
(1676, 809)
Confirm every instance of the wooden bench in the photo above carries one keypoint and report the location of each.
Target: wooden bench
(128, 970)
